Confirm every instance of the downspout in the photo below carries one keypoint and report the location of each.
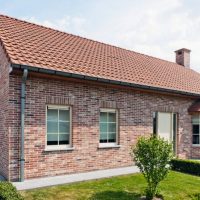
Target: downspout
(23, 95)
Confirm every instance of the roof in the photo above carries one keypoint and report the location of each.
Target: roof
(38, 46)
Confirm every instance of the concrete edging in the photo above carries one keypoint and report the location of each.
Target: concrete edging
(72, 178)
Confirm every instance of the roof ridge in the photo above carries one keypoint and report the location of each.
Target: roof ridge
(50, 49)
(93, 40)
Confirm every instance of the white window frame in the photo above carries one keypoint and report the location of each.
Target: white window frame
(60, 146)
(110, 144)
(197, 145)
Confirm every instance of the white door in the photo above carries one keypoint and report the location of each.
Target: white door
(165, 126)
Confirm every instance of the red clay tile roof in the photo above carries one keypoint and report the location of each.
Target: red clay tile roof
(34, 45)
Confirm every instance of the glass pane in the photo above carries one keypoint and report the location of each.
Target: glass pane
(52, 127)
(64, 115)
(195, 129)
(111, 137)
(64, 139)
(64, 127)
(103, 117)
(112, 127)
(112, 117)
(195, 119)
(103, 127)
(103, 138)
(165, 125)
(52, 115)
(52, 139)
(195, 139)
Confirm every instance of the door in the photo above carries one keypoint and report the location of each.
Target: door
(166, 127)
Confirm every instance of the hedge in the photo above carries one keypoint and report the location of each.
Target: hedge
(9, 192)
(186, 166)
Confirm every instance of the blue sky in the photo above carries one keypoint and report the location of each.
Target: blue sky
(153, 27)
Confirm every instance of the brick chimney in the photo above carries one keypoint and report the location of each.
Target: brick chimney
(183, 57)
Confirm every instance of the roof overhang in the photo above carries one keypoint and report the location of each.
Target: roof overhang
(194, 107)
(102, 80)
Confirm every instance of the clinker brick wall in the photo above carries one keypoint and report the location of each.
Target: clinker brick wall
(135, 119)
(4, 114)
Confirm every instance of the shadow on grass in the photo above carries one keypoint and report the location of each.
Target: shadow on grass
(115, 195)
(195, 196)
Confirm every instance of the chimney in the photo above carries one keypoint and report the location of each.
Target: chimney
(183, 57)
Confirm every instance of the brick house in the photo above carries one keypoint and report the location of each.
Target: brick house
(70, 104)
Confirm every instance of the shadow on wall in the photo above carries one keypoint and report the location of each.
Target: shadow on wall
(115, 195)
(2, 178)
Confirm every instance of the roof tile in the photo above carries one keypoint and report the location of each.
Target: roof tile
(30, 44)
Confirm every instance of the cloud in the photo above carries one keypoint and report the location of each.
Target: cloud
(67, 23)
(159, 28)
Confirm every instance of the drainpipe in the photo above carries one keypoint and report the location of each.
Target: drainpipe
(23, 95)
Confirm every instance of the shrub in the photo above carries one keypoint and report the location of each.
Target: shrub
(186, 166)
(152, 155)
(9, 192)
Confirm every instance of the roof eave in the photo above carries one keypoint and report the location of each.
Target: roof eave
(102, 80)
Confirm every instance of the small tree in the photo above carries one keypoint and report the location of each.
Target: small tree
(152, 155)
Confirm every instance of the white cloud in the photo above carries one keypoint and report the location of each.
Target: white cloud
(67, 23)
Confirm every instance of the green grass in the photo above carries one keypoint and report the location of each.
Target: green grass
(177, 186)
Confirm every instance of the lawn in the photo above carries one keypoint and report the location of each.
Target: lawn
(177, 186)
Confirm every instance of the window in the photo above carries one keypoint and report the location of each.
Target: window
(58, 126)
(108, 126)
(195, 129)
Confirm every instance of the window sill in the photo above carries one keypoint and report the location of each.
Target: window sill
(196, 145)
(108, 147)
(60, 149)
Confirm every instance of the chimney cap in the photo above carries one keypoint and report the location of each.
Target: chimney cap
(183, 49)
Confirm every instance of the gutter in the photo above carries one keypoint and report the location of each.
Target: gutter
(102, 80)
(23, 96)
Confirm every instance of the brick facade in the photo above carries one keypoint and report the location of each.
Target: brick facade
(4, 114)
(135, 119)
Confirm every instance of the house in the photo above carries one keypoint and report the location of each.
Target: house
(69, 104)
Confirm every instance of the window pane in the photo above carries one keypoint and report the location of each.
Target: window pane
(103, 127)
(103, 138)
(64, 115)
(52, 115)
(165, 125)
(112, 127)
(64, 139)
(195, 119)
(52, 127)
(112, 117)
(103, 117)
(64, 127)
(195, 129)
(111, 137)
(195, 139)
(52, 139)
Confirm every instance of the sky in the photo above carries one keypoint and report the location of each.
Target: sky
(152, 27)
